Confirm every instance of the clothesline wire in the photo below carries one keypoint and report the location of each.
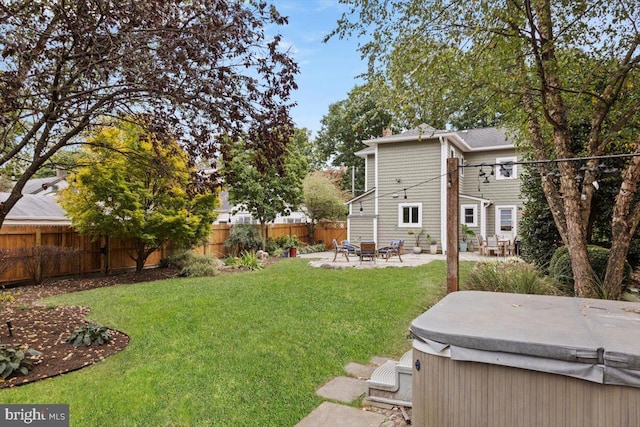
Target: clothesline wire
(519, 162)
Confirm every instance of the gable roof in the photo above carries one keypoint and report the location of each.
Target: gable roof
(490, 138)
(33, 209)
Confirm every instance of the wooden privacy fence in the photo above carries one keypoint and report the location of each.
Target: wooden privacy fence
(85, 256)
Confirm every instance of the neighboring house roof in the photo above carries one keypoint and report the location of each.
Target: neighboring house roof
(490, 138)
(45, 185)
(35, 209)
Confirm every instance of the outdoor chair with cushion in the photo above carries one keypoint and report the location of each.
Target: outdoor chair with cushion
(368, 250)
(394, 249)
(352, 249)
(492, 246)
(339, 249)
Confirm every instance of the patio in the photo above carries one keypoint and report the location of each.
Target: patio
(325, 260)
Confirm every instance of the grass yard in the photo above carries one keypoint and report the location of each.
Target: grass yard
(242, 349)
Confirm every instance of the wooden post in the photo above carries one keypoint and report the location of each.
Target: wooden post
(453, 217)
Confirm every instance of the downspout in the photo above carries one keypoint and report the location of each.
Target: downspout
(483, 218)
(375, 199)
(443, 192)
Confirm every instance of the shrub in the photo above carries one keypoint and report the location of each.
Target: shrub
(192, 264)
(91, 333)
(560, 268)
(16, 359)
(271, 246)
(175, 260)
(286, 242)
(308, 249)
(243, 238)
(510, 276)
(41, 261)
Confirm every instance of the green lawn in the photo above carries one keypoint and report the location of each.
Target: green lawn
(242, 349)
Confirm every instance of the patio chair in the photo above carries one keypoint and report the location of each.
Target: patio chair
(339, 249)
(352, 249)
(368, 250)
(492, 246)
(394, 249)
(481, 244)
(511, 247)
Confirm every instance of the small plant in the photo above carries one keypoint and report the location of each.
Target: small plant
(14, 360)
(90, 334)
(287, 242)
(6, 298)
(416, 233)
(249, 260)
(467, 232)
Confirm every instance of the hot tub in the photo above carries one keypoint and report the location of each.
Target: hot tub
(492, 359)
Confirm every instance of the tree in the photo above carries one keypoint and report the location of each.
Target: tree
(205, 67)
(349, 122)
(323, 199)
(545, 67)
(140, 187)
(261, 188)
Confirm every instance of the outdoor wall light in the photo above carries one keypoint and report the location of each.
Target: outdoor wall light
(360, 206)
(405, 193)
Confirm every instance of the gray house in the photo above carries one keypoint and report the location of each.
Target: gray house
(406, 182)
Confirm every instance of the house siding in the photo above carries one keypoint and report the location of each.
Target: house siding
(417, 166)
(504, 192)
(370, 178)
(362, 223)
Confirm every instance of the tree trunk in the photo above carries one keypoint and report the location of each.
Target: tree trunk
(626, 215)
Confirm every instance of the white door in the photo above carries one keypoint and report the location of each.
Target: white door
(506, 222)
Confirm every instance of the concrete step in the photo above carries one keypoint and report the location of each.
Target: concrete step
(391, 382)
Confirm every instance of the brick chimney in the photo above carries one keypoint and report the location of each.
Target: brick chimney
(387, 132)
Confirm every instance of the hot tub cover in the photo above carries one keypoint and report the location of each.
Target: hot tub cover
(595, 340)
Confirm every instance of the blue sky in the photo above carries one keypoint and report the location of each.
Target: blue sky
(327, 70)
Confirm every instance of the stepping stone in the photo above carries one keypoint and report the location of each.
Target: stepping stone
(343, 389)
(332, 414)
(357, 370)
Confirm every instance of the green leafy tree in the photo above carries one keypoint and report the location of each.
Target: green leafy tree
(262, 188)
(137, 186)
(323, 199)
(542, 67)
(206, 67)
(349, 122)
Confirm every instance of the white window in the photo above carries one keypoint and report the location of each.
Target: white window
(506, 168)
(245, 219)
(410, 215)
(469, 215)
